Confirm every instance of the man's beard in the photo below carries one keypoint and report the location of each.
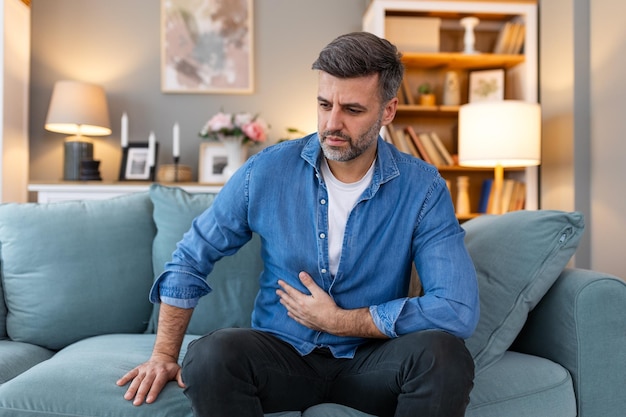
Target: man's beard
(355, 148)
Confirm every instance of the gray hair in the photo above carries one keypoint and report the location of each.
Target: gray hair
(360, 54)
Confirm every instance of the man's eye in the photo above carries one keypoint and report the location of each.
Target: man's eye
(354, 111)
(325, 106)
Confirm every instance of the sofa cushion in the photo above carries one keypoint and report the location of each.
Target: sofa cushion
(75, 269)
(80, 381)
(518, 256)
(234, 279)
(522, 385)
(3, 306)
(16, 357)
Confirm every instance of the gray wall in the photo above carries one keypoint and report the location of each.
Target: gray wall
(583, 44)
(116, 43)
(608, 141)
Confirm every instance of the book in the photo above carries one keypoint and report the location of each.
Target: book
(409, 143)
(519, 199)
(518, 42)
(441, 148)
(511, 39)
(418, 144)
(433, 154)
(502, 37)
(410, 99)
(507, 194)
(485, 193)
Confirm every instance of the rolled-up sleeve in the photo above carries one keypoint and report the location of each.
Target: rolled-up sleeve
(179, 288)
(386, 315)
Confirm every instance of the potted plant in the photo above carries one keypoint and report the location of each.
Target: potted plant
(427, 96)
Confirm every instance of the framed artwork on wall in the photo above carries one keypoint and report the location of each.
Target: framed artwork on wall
(486, 85)
(206, 46)
(213, 161)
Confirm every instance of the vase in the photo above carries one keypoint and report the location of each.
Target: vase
(234, 154)
(462, 196)
(451, 89)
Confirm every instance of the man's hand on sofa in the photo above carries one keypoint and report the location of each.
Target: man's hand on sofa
(148, 379)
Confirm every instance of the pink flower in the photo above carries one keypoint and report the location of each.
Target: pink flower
(256, 130)
(220, 121)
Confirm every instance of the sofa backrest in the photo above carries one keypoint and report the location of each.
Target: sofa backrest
(234, 279)
(76, 269)
(3, 307)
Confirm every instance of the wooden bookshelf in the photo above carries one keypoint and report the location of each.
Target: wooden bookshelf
(521, 73)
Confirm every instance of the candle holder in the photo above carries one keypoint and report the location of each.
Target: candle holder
(469, 23)
(176, 160)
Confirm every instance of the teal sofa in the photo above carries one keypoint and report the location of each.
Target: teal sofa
(75, 316)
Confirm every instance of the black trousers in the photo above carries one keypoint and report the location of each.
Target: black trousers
(245, 372)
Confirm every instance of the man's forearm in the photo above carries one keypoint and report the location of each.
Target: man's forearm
(173, 322)
(356, 323)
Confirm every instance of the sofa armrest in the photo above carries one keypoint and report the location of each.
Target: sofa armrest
(581, 324)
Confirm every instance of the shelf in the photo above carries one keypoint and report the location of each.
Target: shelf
(429, 111)
(456, 60)
(459, 168)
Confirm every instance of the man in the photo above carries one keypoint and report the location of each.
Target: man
(342, 217)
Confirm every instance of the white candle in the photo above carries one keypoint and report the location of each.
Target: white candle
(176, 139)
(124, 130)
(151, 149)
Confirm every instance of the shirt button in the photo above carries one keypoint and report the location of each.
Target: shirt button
(322, 201)
(322, 235)
(323, 271)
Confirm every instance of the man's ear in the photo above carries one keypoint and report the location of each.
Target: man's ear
(389, 112)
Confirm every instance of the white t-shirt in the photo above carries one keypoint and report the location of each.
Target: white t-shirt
(342, 198)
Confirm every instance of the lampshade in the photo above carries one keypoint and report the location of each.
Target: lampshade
(78, 108)
(500, 133)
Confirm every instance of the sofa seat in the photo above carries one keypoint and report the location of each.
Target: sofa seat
(516, 383)
(93, 364)
(513, 383)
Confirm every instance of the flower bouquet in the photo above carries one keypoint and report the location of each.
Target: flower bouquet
(241, 127)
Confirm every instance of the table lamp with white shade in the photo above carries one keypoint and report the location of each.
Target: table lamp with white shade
(499, 134)
(77, 109)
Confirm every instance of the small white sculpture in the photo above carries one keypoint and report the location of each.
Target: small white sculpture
(469, 23)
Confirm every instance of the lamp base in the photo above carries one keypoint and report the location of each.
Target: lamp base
(76, 150)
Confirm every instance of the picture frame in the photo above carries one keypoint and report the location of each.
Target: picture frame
(134, 166)
(212, 162)
(486, 85)
(207, 47)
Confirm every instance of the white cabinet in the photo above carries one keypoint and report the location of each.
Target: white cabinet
(52, 192)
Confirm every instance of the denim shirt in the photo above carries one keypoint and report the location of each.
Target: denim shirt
(404, 216)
